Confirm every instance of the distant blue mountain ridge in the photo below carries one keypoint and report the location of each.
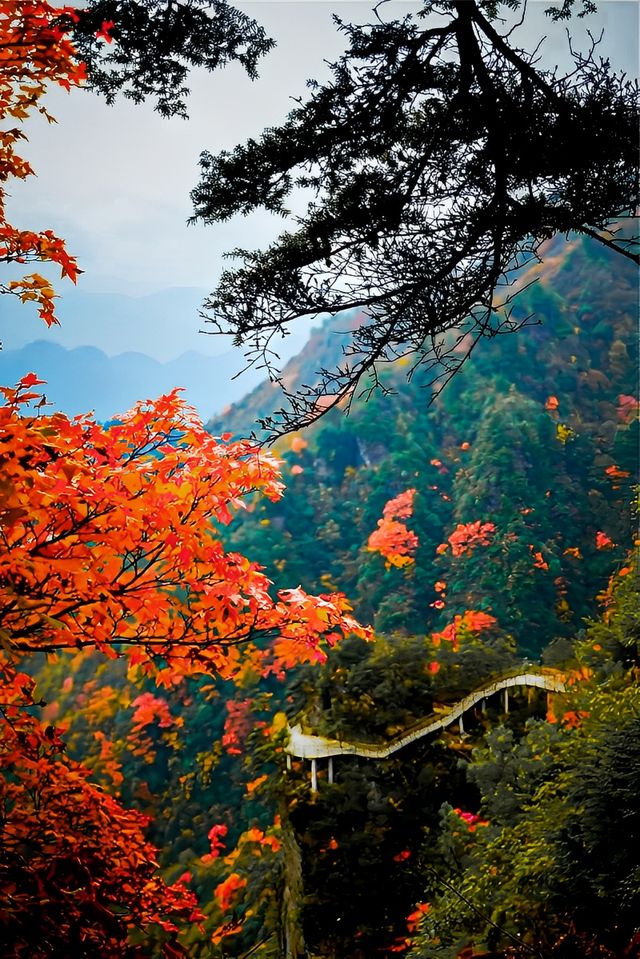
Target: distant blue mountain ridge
(163, 324)
(112, 349)
(85, 378)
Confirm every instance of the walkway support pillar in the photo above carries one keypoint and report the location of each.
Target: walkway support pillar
(330, 769)
(505, 693)
(314, 776)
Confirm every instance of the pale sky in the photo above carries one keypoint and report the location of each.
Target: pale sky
(115, 181)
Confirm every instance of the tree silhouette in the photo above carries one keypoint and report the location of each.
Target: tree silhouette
(439, 158)
(146, 48)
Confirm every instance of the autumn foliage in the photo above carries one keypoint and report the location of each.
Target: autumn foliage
(35, 51)
(393, 539)
(471, 621)
(467, 536)
(111, 542)
(76, 872)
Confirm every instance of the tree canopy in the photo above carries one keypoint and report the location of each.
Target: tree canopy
(146, 48)
(438, 158)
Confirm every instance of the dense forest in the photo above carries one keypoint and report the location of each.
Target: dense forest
(531, 437)
(485, 530)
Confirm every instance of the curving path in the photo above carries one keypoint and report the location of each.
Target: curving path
(304, 746)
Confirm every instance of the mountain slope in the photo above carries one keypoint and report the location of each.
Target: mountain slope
(536, 436)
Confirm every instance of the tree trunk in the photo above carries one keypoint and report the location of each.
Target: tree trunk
(291, 935)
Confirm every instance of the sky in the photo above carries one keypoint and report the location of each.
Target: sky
(115, 181)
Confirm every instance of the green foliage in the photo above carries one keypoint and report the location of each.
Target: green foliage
(539, 474)
(556, 871)
(360, 842)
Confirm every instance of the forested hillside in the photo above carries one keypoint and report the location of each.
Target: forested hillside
(536, 436)
(476, 533)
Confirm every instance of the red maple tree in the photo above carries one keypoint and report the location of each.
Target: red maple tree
(35, 52)
(111, 541)
(393, 539)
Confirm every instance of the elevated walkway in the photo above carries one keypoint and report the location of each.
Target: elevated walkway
(306, 746)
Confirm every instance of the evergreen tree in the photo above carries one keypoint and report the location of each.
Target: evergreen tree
(439, 158)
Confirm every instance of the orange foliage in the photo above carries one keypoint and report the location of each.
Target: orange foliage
(403, 943)
(332, 845)
(257, 836)
(573, 551)
(107, 761)
(401, 506)
(151, 712)
(104, 33)
(34, 53)
(627, 407)
(476, 621)
(580, 675)
(237, 726)
(470, 819)
(255, 784)
(573, 720)
(539, 561)
(466, 536)
(472, 621)
(615, 473)
(603, 541)
(226, 892)
(392, 539)
(402, 856)
(110, 542)
(413, 919)
(216, 842)
(400, 944)
(151, 709)
(231, 928)
(76, 872)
